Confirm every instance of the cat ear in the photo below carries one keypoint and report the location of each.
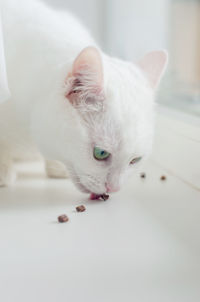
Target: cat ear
(85, 78)
(154, 64)
(89, 60)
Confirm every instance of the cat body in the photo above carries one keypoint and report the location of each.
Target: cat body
(70, 100)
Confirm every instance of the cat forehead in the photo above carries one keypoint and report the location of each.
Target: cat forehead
(118, 133)
(105, 130)
(128, 95)
(125, 71)
(126, 122)
(130, 103)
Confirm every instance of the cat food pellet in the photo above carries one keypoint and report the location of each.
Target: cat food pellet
(80, 208)
(163, 177)
(63, 218)
(142, 175)
(104, 197)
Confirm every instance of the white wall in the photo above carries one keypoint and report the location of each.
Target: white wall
(136, 26)
(125, 28)
(89, 11)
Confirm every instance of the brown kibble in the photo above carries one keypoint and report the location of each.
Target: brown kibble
(143, 175)
(80, 208)
(104, 197)
(163, 177)
(63, 218)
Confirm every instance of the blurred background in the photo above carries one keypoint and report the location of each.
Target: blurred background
(130, 28)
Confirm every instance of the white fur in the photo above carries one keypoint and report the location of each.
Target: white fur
(40, 47)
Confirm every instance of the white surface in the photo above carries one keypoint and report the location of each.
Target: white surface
(177, 145)
(141, 245)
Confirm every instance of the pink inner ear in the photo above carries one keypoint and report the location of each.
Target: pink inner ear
(85, 81)
(89, 60)
(154, 64)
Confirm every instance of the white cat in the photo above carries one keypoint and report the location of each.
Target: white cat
(90, 112)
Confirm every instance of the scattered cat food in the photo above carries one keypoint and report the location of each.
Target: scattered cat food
(99, 197)
(163, 177)
(80, 208)
(104, 197)
(143, 175)
(63, 218)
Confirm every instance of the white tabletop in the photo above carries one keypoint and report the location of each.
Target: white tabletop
(141, 245)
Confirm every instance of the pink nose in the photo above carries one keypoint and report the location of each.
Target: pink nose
(111, 188)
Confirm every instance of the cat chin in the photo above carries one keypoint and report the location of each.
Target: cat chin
(76, 180)
(82, 188)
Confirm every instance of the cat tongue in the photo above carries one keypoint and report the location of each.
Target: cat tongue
(94, 196)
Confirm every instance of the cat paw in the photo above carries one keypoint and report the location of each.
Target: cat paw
(55, 169)
(7, 175)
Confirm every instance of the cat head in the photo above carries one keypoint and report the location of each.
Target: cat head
(107, 118)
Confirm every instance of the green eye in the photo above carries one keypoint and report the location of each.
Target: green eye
(135, 160)
(100, 154)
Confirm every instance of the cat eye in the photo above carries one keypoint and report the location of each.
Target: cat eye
(100, 154)
(135, 160)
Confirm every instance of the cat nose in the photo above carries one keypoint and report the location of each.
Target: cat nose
(112, 188)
